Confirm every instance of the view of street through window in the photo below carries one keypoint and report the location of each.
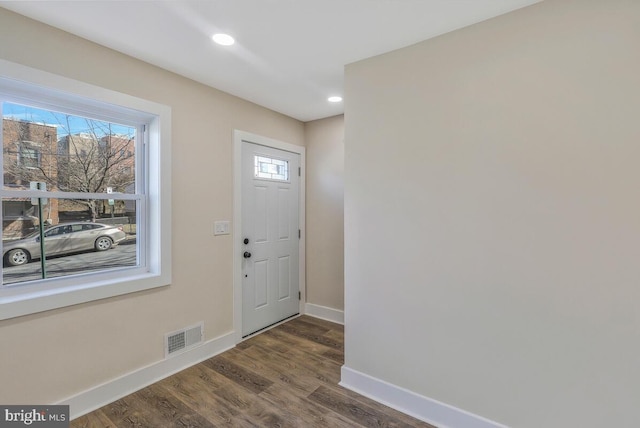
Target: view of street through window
(86, 221)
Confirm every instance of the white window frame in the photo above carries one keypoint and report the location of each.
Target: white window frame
(34, 87)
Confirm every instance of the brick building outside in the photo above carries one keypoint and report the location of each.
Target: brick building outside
(29, 154)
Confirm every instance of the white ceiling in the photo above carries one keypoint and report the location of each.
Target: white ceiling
(289, 55)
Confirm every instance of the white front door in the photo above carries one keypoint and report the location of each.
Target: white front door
(270, 236)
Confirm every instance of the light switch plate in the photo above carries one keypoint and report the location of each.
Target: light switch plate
(221, 227)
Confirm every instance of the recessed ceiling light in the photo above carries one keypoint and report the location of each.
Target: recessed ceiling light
(334, 99)
(223, 39)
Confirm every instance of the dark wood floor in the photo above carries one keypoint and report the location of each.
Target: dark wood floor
(284, 377)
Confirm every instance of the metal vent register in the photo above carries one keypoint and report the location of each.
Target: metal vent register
(182, 340)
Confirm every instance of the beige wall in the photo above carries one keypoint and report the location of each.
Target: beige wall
(492, 212)
(325, 212)
(49, 356)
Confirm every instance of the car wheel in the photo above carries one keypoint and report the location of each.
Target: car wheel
(103, 243)
(17, 257)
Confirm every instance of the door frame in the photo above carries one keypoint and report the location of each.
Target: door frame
(238, 138)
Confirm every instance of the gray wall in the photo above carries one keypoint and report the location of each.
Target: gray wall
(492, 216)
(325, 212)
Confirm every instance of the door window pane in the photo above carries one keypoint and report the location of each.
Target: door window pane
(271, 168)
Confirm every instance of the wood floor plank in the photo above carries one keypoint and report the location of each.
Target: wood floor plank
(267, 339)
(310, 413)
(93, 419)
(275, 367)
(214, 407)
(209, 379)
(195, 387)
(241, 402)
(250, 408)
(247, 378)
(409, 420)
(169, 410)
(335, 355)
(128, 412)
(289, 341)
(303, 324)
(243, 345)
(337, 335)
(284, 377)
(322, 368)
(322, 323)
(356, 410)
(310, 332)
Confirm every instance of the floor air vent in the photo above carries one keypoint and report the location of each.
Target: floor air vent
(181, 340)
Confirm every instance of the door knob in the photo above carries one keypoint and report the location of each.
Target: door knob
(247, 254)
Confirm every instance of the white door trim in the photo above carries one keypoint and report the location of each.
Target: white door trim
(238, 138)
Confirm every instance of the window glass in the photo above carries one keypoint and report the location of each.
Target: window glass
(70, 248)
(88, 169)
(271, 168)
(69, 152)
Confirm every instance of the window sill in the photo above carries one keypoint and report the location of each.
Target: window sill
(16, 301)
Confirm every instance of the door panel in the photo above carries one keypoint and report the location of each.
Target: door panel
(260, 211)
(270, 221)
(260, 276)
(284, 226)
(284, 278)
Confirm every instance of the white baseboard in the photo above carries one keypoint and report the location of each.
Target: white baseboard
(113, 390)
(420, 407)
(325, 313)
